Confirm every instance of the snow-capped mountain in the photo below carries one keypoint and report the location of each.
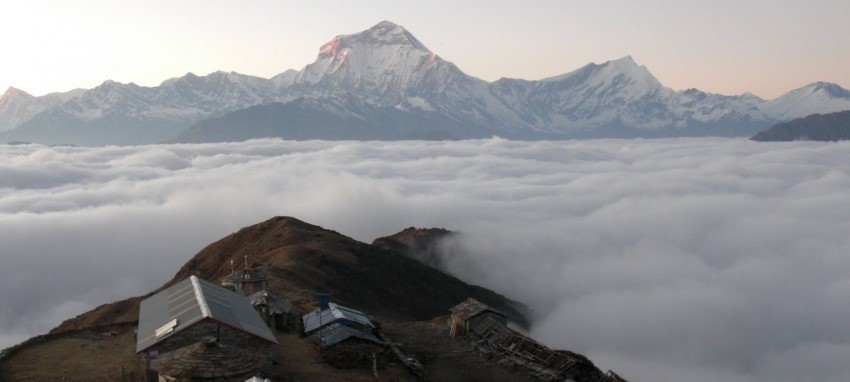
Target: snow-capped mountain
(17, 106)
(816, 98)
(617, 91)
(116, 113)
(383, 62)
(387, 67)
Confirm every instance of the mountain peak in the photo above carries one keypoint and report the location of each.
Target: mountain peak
(626, 62)
(384, 63)
(387, 26)
(386, 33)
(831, 89)
(817, 89)
(814, 98)
(15, 92)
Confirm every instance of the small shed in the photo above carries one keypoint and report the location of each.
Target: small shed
(470, 311)
(329, 313)
(195, 311)
(275, 309)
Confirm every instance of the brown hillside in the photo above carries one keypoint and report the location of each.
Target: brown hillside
(303, 259)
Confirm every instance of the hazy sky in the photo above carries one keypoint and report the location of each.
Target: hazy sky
(767, 47)
(697, 260)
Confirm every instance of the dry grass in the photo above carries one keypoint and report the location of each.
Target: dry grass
(299, 360)
(87, 356)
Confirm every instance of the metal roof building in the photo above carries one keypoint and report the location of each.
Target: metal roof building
(334, 313)
(193, 301)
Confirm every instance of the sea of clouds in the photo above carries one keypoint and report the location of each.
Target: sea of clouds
(676, 259)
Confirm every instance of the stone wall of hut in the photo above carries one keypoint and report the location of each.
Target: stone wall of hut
(209, 329)
(355, 353)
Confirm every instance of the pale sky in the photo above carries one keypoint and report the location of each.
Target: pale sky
(728, 47)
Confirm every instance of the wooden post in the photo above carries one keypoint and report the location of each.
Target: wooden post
(375, 365)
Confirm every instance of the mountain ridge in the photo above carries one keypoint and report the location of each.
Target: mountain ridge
(386, 66)
(816, 127)
(303, 258)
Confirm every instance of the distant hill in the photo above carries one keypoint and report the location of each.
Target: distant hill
(817, 127)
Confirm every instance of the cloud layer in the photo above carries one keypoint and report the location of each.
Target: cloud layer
(692, 259)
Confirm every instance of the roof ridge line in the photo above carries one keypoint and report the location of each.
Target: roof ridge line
(199, 295)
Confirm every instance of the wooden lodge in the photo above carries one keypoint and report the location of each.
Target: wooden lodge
(469, 312)
(487, 329)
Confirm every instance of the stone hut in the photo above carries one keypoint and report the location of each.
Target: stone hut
(275, 309)
(347, 348)
(187, 331)
(469, 312)
(346, 337)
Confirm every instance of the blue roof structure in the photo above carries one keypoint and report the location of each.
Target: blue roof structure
(191, 301)
(319, 318)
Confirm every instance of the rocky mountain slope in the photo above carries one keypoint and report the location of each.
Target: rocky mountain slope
(385, 67)
(818, 127)
(421, 244)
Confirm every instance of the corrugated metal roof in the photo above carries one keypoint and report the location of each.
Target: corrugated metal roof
(336, 313)
(471, 308)
(336, 333)
(191, 301)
